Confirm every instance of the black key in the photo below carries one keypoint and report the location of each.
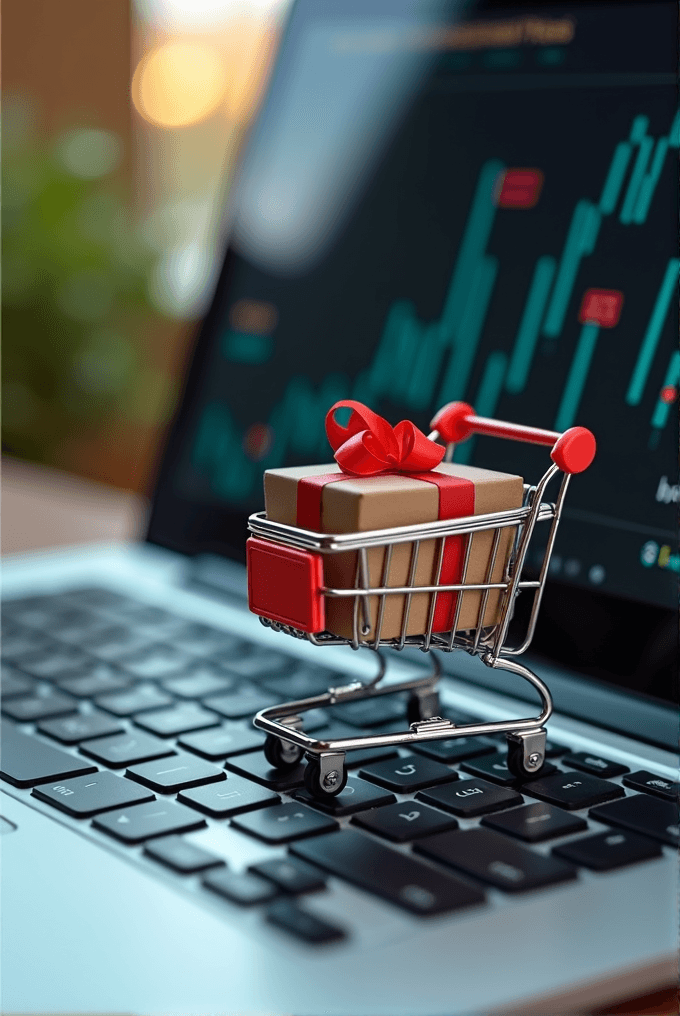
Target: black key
(126, 749)
(72, 729)
(353, 759)
(145, 821)
(284, 823)
(254, 766)
(181, 856)
(593, 764)
(399, 878)
(146, 615)
(223, 742)
(372, 712)
(406, 821)
(536, 822)
(314, 719)
(287, 915)
(203, 680)
(651, 784)
(495, 859)
(99, 679)
(39, 707)
(456, 749)
(304, 682)
(155, 662)
(290, 875)
(228, 797)
(96, 598)
(25, 761)
(89, 795)
(181, 719)
(14, 683)
(136, 700)
(116, 641)
(244, 889)
(261, 663)
(649, 816)
(202, 640)
(176, 773)
(247, 700)
(22, 642)
(408, 773)
(494, 767)
(78, 626)
(573, 790)
(61, 661)
(356, 796)
(469, 798)
(608, 850)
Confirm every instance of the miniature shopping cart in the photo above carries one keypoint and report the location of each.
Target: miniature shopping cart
(305, 550)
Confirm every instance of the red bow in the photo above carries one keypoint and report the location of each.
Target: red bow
(368, 445)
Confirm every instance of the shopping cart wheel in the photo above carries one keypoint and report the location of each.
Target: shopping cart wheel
(526, 754)
(280, 754)
(330, 785)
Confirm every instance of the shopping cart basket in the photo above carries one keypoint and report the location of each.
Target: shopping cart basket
(305, 550)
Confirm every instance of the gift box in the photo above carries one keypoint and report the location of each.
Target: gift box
(385, 478)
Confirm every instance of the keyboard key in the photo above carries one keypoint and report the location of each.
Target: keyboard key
(290, 875)
(247, 700)
(469, 798)
(39, 707)
(406, 821)
(181, 856)
(72, 729)
(223, 742)
(99, 679)
(126, 749)
(61, 661)
(202, 640)
(593, 764)
(284, 823)
(651, 784)
(456, 749)
(155, 662)
(181, 719)
(641, 813)
(408, 773)
(18, 643)
(304, 682)
(179, 772)
(202, 681)
(260, 663)
(495, 859)
(372, 712)
(97, 598)
(254, 766)
(244, 889)
(228, 797)
(289, 916)
(14, 683)
(399, 878)
(494, 767)
(357, 796)
(354, 759)
(117, 641)
(25, 761)
(138, 699)
(608, 850)
(145, 821)
(89, 795)
(536, 822)
(573, 790)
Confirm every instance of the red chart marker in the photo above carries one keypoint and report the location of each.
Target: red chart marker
(519, 188)
(669, 393)
(601, 307)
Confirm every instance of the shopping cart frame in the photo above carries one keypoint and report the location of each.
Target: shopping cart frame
(326, 774)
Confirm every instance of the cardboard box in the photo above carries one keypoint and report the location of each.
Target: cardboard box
(358, 504)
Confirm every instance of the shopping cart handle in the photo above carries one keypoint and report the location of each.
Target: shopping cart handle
(572, 451)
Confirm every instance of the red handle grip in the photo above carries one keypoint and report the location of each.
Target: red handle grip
(572, 451)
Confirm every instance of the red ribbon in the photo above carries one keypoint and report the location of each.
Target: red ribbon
(368, 445)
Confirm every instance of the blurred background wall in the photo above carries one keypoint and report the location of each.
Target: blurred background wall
(121, 126)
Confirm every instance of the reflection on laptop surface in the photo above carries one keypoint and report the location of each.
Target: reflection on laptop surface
(428, 210)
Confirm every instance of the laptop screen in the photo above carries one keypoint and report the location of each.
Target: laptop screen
(483, 210)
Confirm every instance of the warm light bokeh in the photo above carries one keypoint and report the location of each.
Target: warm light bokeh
(179, 83)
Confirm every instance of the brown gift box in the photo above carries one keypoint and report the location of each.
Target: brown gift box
(359, 504)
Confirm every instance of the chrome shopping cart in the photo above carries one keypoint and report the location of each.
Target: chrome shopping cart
(306, 550)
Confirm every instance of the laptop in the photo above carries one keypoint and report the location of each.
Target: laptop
(436, 202)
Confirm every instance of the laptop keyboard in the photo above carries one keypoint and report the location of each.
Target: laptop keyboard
(132, 719)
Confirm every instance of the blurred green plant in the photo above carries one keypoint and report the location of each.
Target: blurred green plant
(75, 303)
